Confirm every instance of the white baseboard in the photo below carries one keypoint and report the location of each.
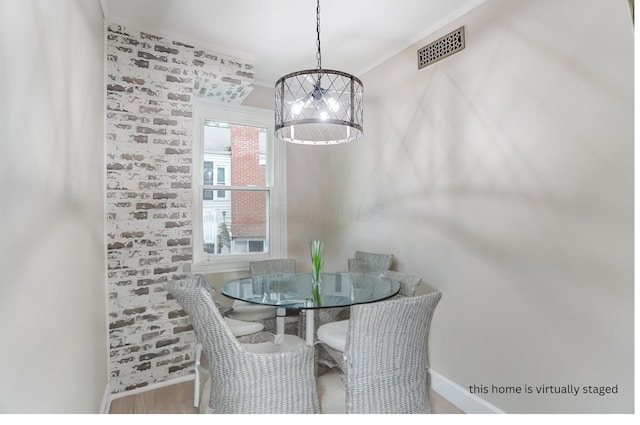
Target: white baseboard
(460, 397)
(105, 406)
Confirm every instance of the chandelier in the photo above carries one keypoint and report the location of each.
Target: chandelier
(318, 106)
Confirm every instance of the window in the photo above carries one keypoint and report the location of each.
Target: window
(221, 181)
(238, 174)
(249, 246)
(207, 176)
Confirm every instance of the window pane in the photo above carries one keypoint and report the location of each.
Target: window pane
(256, 246)
(221, 180)
(208, 172)
(238, 150)
(236, 223)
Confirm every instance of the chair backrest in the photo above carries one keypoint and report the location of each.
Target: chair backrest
(274, 266)
(358, 266)
(408, 283)
(192, 293)
(386, 355)
(277, 266)
(369, 262)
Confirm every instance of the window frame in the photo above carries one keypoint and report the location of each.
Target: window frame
(275, 185)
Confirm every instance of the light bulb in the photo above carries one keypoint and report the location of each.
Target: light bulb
(334, 105)
(296, 108)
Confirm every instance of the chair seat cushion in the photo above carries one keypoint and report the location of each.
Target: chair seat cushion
(243, 310)
(282, 343)
(331, 391)
(242, 328)
(334, 334)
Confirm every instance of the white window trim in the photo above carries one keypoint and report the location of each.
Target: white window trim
(277, 231)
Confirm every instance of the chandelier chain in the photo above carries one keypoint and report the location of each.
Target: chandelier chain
(318, 55)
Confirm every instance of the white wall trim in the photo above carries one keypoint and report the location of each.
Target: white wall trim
(105, 9)
(105, 405)
(432, 29)
(460, 397)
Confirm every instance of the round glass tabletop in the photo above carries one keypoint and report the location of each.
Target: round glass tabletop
(293, 290)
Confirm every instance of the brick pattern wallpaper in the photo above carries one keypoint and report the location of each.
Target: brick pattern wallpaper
(150, 88)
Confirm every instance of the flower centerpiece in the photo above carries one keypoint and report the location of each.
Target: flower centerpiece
(316, 264)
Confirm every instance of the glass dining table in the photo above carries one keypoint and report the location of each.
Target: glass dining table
(293, 291)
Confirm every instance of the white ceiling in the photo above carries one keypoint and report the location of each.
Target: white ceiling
(279, 36)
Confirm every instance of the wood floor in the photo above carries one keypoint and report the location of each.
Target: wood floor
(178, 398)
(172, 399)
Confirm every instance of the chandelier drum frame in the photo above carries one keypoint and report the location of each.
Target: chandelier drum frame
(306, 112)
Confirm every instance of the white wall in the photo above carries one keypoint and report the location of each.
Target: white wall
(260, 97)
(52, 295)
(503, 175)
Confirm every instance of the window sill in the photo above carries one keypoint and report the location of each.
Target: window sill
(228, 264)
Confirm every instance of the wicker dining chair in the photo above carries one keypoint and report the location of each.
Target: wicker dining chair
(369, 262)
(386, 356)
(247, 378)
(409, 283)
(363, 262)
(334, 333)
(244, 331)
(272, 266)
(242, 310)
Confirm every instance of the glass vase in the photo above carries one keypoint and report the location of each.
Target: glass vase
(316, 281)
(316, 247)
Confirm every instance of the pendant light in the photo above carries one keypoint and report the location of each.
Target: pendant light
(318, 106)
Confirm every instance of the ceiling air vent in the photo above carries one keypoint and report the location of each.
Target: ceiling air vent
(441, 48)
